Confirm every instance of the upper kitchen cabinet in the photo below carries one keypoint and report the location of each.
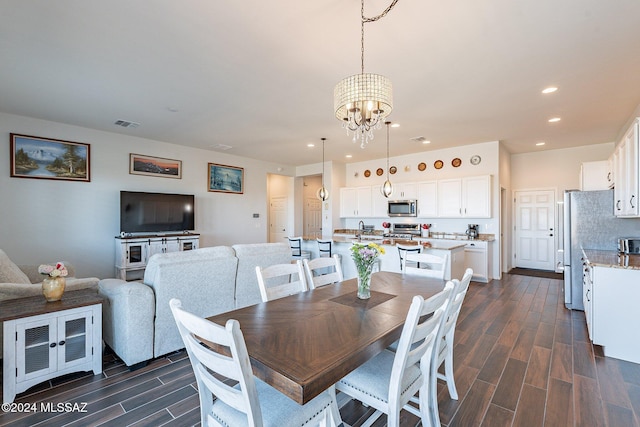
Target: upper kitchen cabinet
(355, 202)
(428, 199)
(594, 175)
(626, 174)
(379, 202)
(405, 191)
(465, 197)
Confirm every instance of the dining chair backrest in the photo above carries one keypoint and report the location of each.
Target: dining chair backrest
(324, 247)
(296, 248)
(444, 350)
(323, 271)
(211, 367)
(281, 280)
(404, 249)
(430, 265)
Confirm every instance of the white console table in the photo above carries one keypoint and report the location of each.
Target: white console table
(133, 253)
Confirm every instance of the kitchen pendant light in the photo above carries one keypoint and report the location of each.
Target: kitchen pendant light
(387, 188)
(322, 193)
(363, 101)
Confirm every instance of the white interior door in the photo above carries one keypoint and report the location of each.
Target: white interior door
(278, 219)
(313, 217)
(535, 229)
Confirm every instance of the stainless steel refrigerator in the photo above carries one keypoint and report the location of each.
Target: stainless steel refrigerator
(589, 223)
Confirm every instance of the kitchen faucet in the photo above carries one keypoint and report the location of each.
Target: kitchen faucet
(360, 229)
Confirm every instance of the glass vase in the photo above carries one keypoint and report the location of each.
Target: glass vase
(364, 285)
(53, 288)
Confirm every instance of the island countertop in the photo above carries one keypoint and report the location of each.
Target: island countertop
(612, 259)
(444, 245)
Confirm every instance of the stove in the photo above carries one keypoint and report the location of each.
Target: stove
(404, 231)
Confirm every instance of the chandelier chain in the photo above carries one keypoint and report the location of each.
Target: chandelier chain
(364, 20)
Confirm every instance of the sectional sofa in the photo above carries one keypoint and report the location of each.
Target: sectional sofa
(137, 320)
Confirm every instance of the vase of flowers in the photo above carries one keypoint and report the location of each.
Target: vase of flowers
(365, 256)
(386, 226)
(54, 283)
(425, 230)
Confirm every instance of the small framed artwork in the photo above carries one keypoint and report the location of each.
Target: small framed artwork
(226, 179)
(140, 164)
(46, 158)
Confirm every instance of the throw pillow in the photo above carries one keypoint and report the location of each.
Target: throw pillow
(9, 272)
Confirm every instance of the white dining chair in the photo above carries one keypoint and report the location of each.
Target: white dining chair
(444, 350)
(281, 280)
(430, 265)
(404, 249)
(323, 271)
(295, 243)
(250, 402)
(389, 380)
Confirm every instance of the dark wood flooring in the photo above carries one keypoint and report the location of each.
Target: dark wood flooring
(521, 359)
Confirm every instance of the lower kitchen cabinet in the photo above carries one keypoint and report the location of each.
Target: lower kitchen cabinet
(612, 310)
(477, 256)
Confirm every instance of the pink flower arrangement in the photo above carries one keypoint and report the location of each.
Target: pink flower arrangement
(426, 226)
(58, 271)
(386, 225)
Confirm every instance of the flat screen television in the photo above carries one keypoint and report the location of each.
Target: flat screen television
(156, 212)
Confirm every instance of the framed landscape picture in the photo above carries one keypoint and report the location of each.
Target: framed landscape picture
(46, 158)
(154, 166)
(226, 179)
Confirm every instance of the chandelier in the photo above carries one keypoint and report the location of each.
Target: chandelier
(362, 101)
(323, 193)
(387, 188)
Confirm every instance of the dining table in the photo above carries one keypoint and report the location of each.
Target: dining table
(304, 343)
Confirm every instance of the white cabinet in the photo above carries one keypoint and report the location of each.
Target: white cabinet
(610, 176)
(37, 347)
(355, 202)
(626, 174)
(133, 253)
(378, 203)
(405, 191)
(594, 175)
(427, 199)
(614, 319)
(465, 197)
(587, 295)
(478, 257)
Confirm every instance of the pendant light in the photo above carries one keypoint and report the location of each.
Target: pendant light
(387, 188)
(323, 193)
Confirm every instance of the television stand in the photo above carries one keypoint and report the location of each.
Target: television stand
(133, 252)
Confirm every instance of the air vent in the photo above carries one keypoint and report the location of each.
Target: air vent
(418, 139)
(126, 124)
(221, 147)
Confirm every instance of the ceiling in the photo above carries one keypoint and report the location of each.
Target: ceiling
(260, 78)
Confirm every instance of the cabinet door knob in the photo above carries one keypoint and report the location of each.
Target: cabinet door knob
(52, 345)
(61, 343)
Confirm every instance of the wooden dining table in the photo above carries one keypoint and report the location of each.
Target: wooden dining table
(304, 343)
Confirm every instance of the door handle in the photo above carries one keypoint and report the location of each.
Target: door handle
(550, 235)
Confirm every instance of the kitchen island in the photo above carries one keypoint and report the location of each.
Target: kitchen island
(390, 261)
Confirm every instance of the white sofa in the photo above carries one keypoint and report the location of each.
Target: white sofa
(137, 320)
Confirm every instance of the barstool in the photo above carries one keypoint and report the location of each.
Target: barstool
(296, 248)
(324, 248)
(404, 249)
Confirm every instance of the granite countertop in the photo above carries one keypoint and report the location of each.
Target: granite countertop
(392, 242)
(612, 259)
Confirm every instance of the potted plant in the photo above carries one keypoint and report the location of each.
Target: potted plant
(425, 230)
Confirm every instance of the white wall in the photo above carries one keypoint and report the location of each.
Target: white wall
(49, 220)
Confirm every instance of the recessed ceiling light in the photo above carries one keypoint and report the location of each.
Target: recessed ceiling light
(310, 145)
(395, 125)
(550, 89)
(540, 143)
(348, 156)
(426, 142)
(554, 120)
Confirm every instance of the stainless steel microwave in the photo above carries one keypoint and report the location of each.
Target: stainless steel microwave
(402, 208)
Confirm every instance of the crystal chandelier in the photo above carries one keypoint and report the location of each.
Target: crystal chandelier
(362, 101)
(323, 193)
(387, 188)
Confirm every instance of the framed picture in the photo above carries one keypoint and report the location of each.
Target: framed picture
(46, 158)
(154, 166)
(226, 179)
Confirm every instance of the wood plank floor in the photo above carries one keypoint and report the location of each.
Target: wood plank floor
(521, 359)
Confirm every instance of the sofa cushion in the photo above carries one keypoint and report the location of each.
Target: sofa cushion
(9, 272)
